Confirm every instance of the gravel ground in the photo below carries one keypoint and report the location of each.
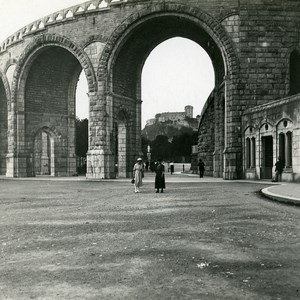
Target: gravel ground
(99, 240)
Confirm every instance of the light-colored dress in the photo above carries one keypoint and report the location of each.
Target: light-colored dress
(138, 174)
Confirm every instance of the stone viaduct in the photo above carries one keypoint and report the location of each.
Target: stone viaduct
(253, 46)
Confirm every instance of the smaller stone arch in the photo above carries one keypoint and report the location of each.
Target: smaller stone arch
(267, 148)
(228, 13)
(250, 145)
(9, 63)
(281, 120)
(125, 114)
(44, 154)
(94, 38)
(250, 129)
(122, 151)
(266, 125)
(284, 138)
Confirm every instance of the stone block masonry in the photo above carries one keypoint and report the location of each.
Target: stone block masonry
(254, 48)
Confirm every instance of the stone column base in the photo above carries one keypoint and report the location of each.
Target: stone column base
(19, 166)
(2, 164)
(10, 165)
(100, 165)
(231, 164)
(217, 164)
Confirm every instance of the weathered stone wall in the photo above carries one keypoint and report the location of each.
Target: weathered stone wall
(206, 139)
(269, 30)
(273, 115)
(249, 43)
(264, 33)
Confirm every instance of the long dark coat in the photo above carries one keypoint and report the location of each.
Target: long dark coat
(160, 182)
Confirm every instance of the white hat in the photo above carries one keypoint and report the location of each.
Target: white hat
(139, 159)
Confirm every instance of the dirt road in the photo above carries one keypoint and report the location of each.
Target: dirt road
(99, 240)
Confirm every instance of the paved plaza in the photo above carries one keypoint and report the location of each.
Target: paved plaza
(201, 239)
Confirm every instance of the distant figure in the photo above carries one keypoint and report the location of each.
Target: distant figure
(147, 165)
(138, 171)
(172, 167)
(160, 177)
(201, 166)
(279, 166)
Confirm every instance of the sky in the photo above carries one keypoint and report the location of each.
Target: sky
(178, 72)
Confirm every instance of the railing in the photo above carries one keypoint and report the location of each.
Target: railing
(58, 17)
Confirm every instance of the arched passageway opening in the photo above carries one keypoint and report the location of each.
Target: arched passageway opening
(177, 78)
(126, 65)
(176, 73)
(44, 153)
(49, 80)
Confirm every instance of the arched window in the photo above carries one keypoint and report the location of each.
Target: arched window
(282, 146)
(289, 156)
(248, 153)
(294, 73)
(250, 149)
(253, 150)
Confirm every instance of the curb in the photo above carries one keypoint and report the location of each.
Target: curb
(280, 198)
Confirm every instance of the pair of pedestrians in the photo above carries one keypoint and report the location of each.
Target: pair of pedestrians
(138, 174)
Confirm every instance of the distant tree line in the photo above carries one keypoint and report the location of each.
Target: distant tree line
(177, 149)
(170, 149)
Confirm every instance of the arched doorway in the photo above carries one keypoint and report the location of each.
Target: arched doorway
(121, 145)
(44, 153)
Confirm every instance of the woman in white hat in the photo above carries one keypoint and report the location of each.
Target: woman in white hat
(138, 171)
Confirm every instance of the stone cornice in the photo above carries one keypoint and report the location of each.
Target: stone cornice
(272, 104)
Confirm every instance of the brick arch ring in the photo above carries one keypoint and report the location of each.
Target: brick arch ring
(51, 131)
(204, 20)
(59, 41)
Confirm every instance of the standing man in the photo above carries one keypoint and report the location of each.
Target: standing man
(160, 177)
(279, 166)
(172, 167)
(201, 166)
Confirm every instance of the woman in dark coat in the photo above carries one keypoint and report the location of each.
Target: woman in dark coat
(160, 177)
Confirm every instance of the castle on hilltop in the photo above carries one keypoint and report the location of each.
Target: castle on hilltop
(177, 118)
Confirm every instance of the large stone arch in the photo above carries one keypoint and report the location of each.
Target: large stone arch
(60, 41)
(208, 22)
(22, 122)
(112, 86)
